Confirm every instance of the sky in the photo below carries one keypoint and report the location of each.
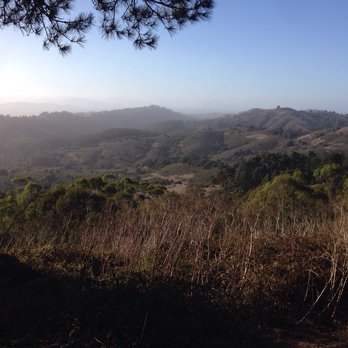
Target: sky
(252, 53)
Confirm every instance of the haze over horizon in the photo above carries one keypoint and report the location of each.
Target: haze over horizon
(18, 109)
(251, 54)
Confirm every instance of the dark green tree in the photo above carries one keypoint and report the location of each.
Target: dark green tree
(137, 20)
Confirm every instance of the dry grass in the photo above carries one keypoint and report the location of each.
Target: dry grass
(294, 265)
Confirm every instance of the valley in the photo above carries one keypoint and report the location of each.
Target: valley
(165, 227)
(160, 138)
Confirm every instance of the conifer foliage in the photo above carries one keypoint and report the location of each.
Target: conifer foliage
(138, 20)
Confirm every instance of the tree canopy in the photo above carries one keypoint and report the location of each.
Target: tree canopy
(137, 20)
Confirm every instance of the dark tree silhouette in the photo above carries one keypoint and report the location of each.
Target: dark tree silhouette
(137, 20)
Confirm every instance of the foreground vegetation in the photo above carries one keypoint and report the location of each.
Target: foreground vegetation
(106, 262)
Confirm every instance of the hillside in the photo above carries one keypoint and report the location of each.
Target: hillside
(139, 118)
(23, 136)
(90, 142)
(282, 118)
(121, 261)
(334, 140)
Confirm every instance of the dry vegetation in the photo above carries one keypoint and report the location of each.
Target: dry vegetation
(269, 270)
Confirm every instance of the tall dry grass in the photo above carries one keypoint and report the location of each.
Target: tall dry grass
(292, 262)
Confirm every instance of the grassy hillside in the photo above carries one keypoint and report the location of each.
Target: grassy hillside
(65, 142)
(109, 262)
(139, 118)
(282, 118)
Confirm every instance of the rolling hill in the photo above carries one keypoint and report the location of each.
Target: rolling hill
(96, 141)
(138, 118)
(282, 118)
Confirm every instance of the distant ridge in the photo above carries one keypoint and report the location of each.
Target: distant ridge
(139, 118)
(282, 118)
(155, 135)
(50, 125)
(33, 109)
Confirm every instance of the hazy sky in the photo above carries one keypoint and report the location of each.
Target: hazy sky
(254, 53)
